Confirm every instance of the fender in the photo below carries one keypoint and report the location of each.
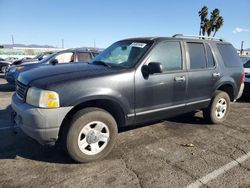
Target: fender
(105, 94)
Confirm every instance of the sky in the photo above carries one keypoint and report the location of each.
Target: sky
(98, 22)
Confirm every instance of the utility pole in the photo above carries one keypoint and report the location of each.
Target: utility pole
(94, 44)
(62, 43)
(13, 42)
(241, 48)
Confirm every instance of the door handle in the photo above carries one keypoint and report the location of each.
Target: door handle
(216, 74)
(180, 78)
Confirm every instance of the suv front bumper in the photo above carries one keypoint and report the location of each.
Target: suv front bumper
(41, 124)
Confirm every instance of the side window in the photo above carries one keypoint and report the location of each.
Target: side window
(65, 57)
(168, 53)
(84, 57)
(210, 57)
(229, 55)
(197, 55)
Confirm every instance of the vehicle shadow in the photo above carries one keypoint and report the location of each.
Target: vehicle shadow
(244, 99)
(15, 144)
(189, 118)
(7, 88)
(5, 115)
(20, 145)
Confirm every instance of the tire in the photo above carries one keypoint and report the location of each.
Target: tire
(91, 135)
(218, 109)
(3, 69)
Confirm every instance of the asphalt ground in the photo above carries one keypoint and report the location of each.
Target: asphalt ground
(150, 156)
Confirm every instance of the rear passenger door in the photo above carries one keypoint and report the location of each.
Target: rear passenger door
(202, 73)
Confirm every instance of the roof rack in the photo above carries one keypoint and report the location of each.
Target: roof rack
(197, 37)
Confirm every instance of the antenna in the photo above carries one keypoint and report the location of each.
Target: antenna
(13, 42)
(62, 43)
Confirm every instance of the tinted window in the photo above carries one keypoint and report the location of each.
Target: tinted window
(197, 55)
(84, 56)
(210, 58)
(168, 53)
(247, 64)
(229, 55)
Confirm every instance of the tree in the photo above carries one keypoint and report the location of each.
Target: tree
(219, 24)
(203, 14)
(212, 25)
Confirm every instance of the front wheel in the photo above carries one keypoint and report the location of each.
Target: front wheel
(91, 135)
(218, 109)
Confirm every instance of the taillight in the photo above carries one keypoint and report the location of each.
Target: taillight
(243, 77)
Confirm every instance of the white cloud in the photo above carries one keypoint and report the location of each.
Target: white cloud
(239, 30)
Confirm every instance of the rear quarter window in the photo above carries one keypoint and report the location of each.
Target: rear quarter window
(229, 55)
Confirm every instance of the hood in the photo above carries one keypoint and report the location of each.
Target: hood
(49, 75)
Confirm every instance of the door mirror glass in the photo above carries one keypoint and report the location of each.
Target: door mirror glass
(155, 67)
(151, 68)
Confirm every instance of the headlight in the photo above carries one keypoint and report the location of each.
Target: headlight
(13, 69)
(42, 98)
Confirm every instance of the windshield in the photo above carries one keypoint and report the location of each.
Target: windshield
(247, 64)
(123, 54)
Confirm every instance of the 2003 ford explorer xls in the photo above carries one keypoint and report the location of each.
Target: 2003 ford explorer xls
(132, 82)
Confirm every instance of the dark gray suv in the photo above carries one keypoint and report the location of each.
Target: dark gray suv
(132, 82)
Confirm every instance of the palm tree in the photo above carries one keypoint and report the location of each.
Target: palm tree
(215, 14)
(203, 14)
(207, 29)
(219, 24)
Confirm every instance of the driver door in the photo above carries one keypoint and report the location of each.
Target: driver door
(162, 94)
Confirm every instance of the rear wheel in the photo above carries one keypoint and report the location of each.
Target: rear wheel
(218, 109)
(91, 135)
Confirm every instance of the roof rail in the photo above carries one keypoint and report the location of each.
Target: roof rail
(196, 37)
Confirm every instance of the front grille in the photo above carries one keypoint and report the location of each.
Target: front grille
(21, 90)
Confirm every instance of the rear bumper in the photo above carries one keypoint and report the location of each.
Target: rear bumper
(41, 124)
(242, 86)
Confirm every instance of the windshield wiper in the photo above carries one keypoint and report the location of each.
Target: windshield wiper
(101, 63)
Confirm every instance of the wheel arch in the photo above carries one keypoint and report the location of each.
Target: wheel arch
(111, 106)
(229, 88)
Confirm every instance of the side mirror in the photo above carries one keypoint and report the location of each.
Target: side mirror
(151, 68)
(155, 68)
(54, 61)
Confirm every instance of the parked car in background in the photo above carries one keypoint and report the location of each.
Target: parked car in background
(38, 57)
(65, 56)
(134, 81)
(11, 59)
(247, 78)
(244, 59)
(4, 64)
